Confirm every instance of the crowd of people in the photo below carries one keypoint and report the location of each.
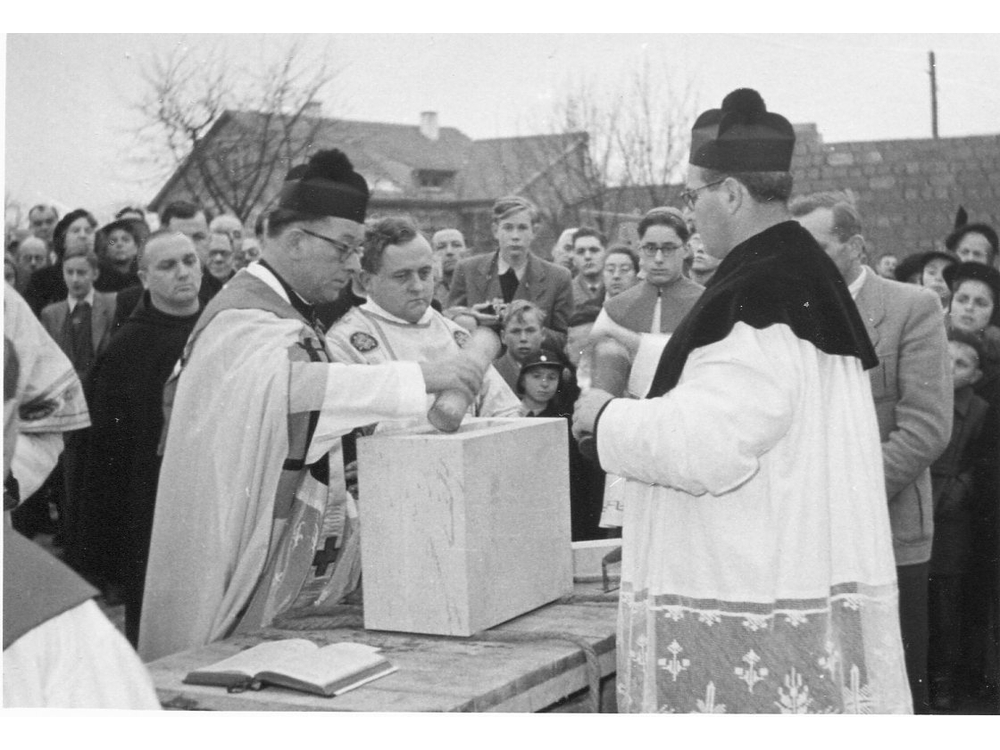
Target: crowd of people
(747, 381)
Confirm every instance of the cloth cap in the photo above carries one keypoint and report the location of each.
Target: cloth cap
(542, 358)
(326, 186)
(953, 274)
(742, 136)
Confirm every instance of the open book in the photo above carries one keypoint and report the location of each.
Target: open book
(297, 664)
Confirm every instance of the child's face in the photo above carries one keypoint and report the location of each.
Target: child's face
(541, 383)
(523, 337)
(964, 364)
(933, 277)
(79, 276)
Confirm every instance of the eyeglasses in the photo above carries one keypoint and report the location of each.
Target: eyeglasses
(345, 251)
(690, 195)
(650, 249)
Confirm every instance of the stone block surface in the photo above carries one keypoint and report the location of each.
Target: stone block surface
(463, 531)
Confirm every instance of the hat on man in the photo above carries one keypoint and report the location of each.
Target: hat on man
(326, 186)
(959, 272)
(742, 136)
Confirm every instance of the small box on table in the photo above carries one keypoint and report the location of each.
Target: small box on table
(463, 531)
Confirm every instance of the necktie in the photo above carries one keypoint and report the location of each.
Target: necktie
(508, 284)
(81, 341)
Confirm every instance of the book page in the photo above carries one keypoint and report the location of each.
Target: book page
(270, 655)
(329, 663)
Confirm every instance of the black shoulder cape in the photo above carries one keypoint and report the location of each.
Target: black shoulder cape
(778, 276)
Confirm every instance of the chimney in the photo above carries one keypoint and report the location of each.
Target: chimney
(429, 125)
(312, 109)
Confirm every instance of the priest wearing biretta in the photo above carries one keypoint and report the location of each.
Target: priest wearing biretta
(757, 571)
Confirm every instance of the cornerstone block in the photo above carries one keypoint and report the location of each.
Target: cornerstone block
(463, 531)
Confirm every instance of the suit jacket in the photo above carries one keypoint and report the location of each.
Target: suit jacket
(914, 397)
(581, 291)
(54, 318)
(547, 285)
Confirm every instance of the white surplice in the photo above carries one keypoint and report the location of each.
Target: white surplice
(757, 570)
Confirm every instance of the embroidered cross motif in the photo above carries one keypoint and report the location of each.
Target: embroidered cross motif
(674, 665)
(325, 557)
(751, 675)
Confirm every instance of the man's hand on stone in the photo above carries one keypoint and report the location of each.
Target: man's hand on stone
(454, 373)
(586, 409)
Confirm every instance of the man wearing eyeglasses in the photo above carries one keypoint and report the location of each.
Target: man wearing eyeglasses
(757, 564)
(254, 406)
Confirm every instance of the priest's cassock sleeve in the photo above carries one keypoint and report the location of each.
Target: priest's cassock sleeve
(734, 402)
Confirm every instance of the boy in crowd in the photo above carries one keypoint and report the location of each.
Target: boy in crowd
(547, 389)
(81, 323)
(538, 385)
(522, 337)
(952, 476)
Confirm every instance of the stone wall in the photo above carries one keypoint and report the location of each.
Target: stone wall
(907, 190)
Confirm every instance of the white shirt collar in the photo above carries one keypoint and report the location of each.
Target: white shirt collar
(503, 266)
(89, 299)
(855, 286)
(373, 307)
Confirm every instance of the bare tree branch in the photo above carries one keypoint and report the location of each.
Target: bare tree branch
(230, 133)
(637, 138)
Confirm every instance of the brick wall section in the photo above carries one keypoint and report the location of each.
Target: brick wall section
(907, 190)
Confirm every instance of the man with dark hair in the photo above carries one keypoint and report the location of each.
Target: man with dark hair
(42, 222)
(255, 405)
(912, 392)
(397, 322)
(514, 272)
(126, 408)
(588, 258)
(757, 569)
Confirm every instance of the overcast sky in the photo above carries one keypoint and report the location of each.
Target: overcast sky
(68, 122)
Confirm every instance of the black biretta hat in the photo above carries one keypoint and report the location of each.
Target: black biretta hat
(742, 136)
(326, 186)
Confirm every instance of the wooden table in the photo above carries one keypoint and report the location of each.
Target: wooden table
(521, 665)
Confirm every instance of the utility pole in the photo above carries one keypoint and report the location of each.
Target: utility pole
(934, 108)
